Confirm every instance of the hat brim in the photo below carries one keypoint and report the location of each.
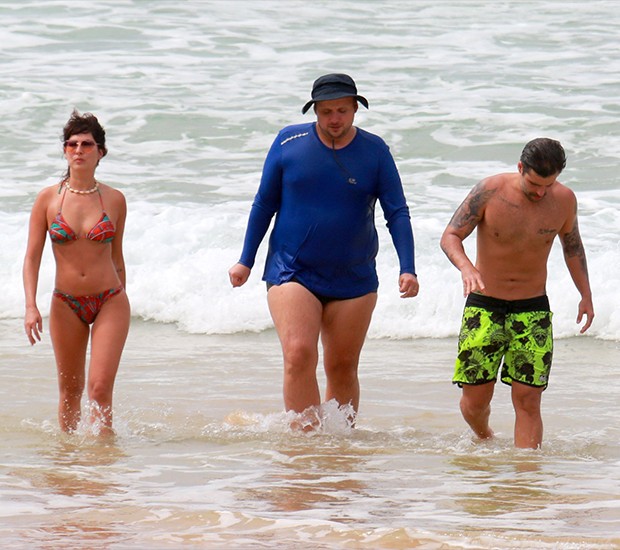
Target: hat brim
(335, 95)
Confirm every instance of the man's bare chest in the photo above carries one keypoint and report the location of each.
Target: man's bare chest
(529, 224)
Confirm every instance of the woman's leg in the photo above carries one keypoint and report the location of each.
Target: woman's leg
(108, 337)
(69, 336)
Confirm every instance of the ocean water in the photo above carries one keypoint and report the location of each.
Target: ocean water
(192, 94)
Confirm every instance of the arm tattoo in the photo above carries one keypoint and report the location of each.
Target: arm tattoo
(572, 242)
(573, 247)
(470, 211)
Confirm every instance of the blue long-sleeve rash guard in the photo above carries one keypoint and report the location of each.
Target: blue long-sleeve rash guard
(324, 234)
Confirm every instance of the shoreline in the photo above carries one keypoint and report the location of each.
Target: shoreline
(243, 371)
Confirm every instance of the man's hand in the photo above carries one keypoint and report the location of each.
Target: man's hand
(408, 285)
(585, 308)
(472, 281)
(238, 274)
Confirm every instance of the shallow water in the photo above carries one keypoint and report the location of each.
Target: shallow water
(203, 456)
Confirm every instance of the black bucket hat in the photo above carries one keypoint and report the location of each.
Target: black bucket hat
(333, 86)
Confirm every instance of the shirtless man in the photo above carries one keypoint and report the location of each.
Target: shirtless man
(517, 216)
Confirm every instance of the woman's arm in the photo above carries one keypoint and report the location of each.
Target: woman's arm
(37, 233)
(117, 244)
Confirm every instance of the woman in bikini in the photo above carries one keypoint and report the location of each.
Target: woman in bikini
(85, 220)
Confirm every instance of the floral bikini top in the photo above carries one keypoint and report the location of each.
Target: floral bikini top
(103, 231)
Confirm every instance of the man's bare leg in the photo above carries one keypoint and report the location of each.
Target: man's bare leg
(343, 332)
(476, 408)
(528, 420)
(296, 314)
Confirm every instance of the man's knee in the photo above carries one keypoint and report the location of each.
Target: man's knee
(476, 400)
(525, 398)
(343, 374)
(299, 352)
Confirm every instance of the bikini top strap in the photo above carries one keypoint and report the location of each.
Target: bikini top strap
(100, 199)
(62, 200)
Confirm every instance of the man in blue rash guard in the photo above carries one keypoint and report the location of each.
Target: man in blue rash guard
(321, 180)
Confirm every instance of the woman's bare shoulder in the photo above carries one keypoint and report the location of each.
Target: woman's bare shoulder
(114, 200)
(111, 192)
(48, 193)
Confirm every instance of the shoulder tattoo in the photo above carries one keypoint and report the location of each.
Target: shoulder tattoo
(470, 211)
